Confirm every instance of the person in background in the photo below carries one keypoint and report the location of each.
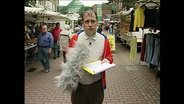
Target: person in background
(49, 28)
(106, 30)
(76, 29)
(56, 33)
(37, 31)
(110, 29)
(99, 29)
(64, 41)
(90, 88)
(116, 30)
(44, 47)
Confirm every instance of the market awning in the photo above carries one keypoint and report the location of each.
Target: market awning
(60, 17)
(42, 15)
(51, 12)
(124, 13)
(33, 10)
(54, 16)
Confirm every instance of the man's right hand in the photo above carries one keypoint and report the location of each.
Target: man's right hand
(36, 50)
(50, 50)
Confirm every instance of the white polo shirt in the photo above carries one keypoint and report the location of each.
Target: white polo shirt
(96, 46)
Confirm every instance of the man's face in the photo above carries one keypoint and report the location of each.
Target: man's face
(44, 28)
(89, 24)
(58, 26)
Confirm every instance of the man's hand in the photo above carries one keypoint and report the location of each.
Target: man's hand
(36, 50)
(50, 50)
(105, 61)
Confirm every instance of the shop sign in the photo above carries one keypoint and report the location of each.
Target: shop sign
(112, 42)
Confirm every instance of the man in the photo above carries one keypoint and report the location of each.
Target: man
(99, 29)
(64, 41)
(44, 47)
(90, 89)
(56, 33)
(106, 30)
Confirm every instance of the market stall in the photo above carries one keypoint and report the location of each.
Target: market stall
(41, 15)
(136, 21)
(33, 18)
(29, 49)
(147, 18)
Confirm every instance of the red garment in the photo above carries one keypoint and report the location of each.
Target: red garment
(56, 33)
(107, 53)
(143, 48)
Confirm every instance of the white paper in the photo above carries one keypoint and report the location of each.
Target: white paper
(98, 67)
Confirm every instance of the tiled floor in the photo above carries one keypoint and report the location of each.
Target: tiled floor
(130, 82)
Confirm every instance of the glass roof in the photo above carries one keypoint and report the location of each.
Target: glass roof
(75, 7)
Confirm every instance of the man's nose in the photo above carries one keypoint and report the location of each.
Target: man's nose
(90, 23)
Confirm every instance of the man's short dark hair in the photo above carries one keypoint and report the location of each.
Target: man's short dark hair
(57, 23)
(89, 12)
(107, 28)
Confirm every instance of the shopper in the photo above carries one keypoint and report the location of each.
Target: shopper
(56, 33)
(64, 41)
(90, 89)
(106, 30)
(76, 29)
(99, 29)
(44, 47)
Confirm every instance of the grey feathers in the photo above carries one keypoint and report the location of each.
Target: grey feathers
(71, 70)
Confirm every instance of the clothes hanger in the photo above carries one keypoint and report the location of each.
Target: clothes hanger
(149, 4)
(138, 3)
(151, 1)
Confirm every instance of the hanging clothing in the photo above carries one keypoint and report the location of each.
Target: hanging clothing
(158, 20)
(152, 50)
(156, 53)
(143, 47)
(131, 21)
(133, 48)
(139, 18)
(149, 48)
(150, 17)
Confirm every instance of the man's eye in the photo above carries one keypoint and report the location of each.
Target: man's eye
(87, 22)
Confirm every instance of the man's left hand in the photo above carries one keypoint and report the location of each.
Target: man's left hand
(105, 61)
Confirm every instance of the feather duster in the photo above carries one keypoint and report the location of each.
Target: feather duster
(71, 70)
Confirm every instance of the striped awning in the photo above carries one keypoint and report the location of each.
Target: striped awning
(41, 14)
(34, 10)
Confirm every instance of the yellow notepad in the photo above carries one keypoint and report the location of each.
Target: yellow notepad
(96, 67)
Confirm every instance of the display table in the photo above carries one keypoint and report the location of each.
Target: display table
(27, 48)
(139, 41)
(126, 38)
(30, 46)
(34, 40)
